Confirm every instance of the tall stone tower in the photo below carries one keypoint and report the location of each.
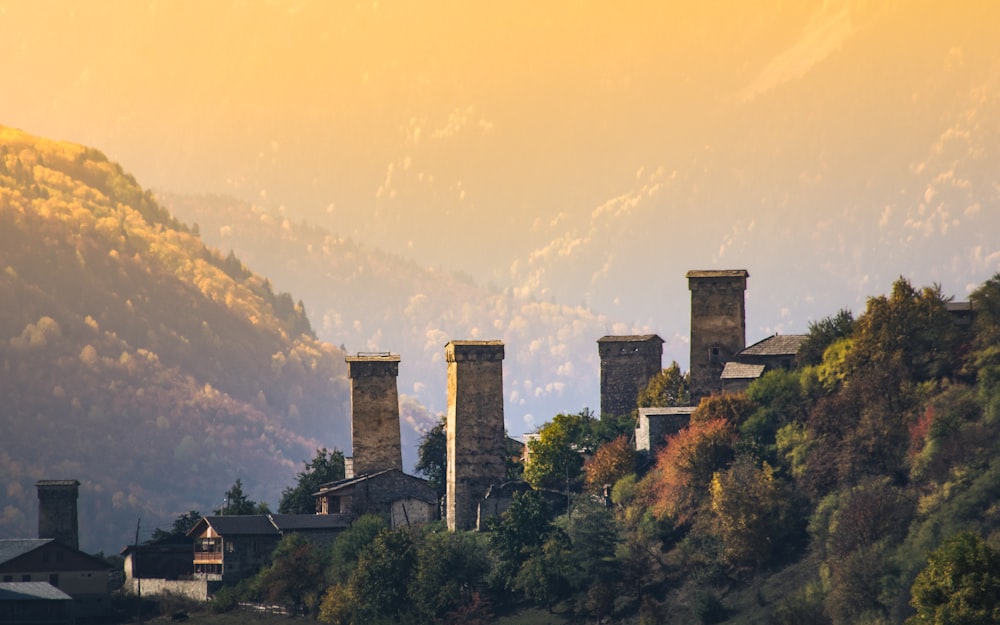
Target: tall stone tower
(57, 515)
(627, 365)
(718, 325)
(374, 412)
(474, 427)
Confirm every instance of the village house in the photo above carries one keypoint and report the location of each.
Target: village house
(402, 500)
(230, 548)
(34, 603)
(83, 577)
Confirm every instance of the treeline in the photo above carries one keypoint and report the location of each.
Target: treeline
(860, 487)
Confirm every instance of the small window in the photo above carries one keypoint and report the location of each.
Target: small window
(54, 579)
(26, 578)
(8, 578)
(715, 355)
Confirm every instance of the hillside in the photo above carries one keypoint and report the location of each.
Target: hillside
(376, 301)
(137, 360)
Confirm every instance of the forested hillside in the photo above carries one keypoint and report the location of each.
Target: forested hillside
(860, 487)
(137, 360)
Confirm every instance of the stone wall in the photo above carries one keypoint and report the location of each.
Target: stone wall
(196, 589)
(475, 428)
(374, 413)
(627, 365)
(656, 424)
(718, 325)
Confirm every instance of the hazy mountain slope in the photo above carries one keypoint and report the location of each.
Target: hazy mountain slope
(374, 301)
(137, 360)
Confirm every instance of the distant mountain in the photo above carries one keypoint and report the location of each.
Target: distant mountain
(137, 360)
(371, 300)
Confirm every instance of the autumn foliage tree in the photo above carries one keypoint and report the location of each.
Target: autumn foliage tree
(679, 481)
(611, 462)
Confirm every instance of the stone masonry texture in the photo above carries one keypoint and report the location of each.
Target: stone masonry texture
(57, 511)
(374, 413)
(718, 325)
(475, 428)
(627, 365)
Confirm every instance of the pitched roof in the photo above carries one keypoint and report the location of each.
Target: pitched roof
(332, 487)
(235, 525)
(776, 345)
(11, 548)
(739, 371)
(31, 591)
(299, 522)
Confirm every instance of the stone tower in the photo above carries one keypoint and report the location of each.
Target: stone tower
(627, 365)
(718, 325)
(374, 412)
(57, 515)
(474, 427)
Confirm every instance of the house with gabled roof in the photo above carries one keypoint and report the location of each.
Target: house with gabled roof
(83, 577)
(402, 500)
(230, 548)
(777, 351)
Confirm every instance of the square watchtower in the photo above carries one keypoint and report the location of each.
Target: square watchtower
(374, 412)
(718, 325)
(628, 363)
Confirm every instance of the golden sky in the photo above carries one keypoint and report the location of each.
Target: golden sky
(553, 147)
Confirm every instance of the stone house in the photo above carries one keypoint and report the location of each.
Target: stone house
(656, 424)
(774, 352)
(402, 500)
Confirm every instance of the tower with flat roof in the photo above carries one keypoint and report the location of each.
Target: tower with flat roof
(374, 412)
(57, 511)
(474, 427)
(627, 365)
(718, 325)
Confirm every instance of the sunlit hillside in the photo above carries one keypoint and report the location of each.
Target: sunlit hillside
(137, 360)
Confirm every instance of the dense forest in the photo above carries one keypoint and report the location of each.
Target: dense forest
(137, 360)
(859, 487)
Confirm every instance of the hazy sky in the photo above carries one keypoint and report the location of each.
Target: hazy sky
(584, 152)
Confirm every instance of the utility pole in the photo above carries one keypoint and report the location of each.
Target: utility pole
(135, 572)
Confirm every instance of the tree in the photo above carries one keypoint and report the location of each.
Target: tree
(611, 462)
(326, 466)
(450, 566)
(960, 585)
(516, 533)
(678, 484)
(432, 456)
(750, 513)
(182, 525)
(381, 579)
(824, 333)
(237, 503)
(555, 457)
(669, 387)
(295, 575)
(349, 544)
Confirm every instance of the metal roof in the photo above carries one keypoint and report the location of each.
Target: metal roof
(234, 525)
(31, 591)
